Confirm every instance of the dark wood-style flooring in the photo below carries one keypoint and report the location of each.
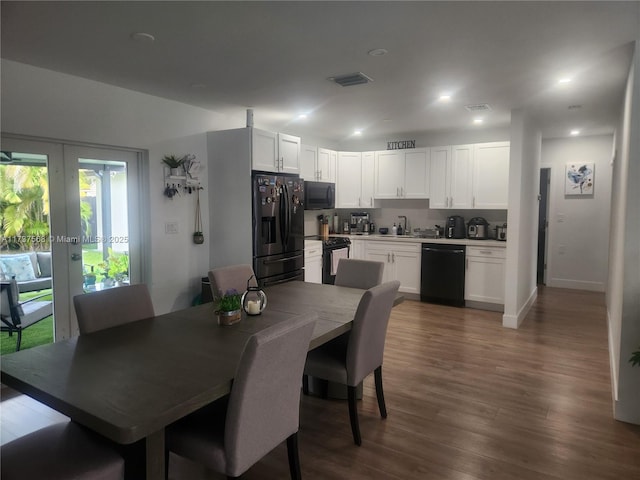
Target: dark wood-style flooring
(467, 400)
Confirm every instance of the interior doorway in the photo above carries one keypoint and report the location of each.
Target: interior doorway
(543, 224)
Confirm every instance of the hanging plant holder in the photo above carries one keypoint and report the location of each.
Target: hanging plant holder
(198, 236)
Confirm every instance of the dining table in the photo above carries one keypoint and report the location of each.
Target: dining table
(129, 382)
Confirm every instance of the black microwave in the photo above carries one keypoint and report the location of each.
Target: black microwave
(319, 195)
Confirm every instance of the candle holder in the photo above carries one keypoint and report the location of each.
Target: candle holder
(254, 300)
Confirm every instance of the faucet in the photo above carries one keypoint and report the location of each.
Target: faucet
(404, 228)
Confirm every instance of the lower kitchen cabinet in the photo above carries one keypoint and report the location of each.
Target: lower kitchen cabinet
(357, 249)
(313, 261)
(401, 262)
(485, 275)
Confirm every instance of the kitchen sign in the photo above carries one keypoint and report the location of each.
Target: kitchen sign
(401, 144)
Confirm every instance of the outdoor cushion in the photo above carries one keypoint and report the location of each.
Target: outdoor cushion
(20, 266)
(44, 264)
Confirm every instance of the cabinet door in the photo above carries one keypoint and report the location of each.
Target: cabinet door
(368, 179)
(313, 270)
(389, 174)
(484, 280)
(383, 256)
(289, 153)
(264, 150)
(308, 162)
(491, 175)
(461, 176)
(349, 179)
(357, 249)
(439, 177)
(407, 270)
(326, 165)
(416, 174)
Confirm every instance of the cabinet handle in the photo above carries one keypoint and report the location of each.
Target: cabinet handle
(393, 257)
(466, 264)
(473, 203)
(388, 258)
(397, 192)
(402, 191)
(359, 202)
(486, 252)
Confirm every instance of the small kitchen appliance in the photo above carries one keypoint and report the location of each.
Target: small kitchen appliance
(478, 229)
(501, 232)
(455, 227)
(360, 224)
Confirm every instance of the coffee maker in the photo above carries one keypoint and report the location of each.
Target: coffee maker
(360, 224)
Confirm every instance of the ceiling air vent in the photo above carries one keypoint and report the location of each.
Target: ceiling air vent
(478, 107)
(350, 79)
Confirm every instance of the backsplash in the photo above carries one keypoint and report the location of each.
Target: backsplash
(417, 212)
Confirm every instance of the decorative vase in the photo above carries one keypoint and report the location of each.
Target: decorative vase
(174, 172)
(198, 238)
(229, 318)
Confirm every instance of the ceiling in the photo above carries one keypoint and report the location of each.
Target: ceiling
(276, 57)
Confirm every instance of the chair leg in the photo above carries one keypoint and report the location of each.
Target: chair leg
(379, 392)
(305, 384)
(19, 340)
(353, 414)
(294, 458)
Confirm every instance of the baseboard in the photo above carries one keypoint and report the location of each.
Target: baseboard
(493, 307)
(514, 321)
(576, 284)
(613, 364)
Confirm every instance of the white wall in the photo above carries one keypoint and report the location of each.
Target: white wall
(43, 103)
(524, 181)
(578, 246)
(623, 287)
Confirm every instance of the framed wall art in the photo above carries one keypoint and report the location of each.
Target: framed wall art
(579, 179)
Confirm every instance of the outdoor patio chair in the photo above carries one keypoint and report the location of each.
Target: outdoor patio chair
(17, 316)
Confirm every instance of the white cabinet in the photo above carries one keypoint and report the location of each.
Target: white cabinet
(357, 249)
(439, 177)
(275, 152)
(402, 173)
(401, 262)
(368, 179)
(349, 180)
(461, 175)
(313, 261)
(491, 175)
(484, 275)
(318, 164)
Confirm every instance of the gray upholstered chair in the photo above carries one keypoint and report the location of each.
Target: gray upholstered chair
(16, 316)
(356, 273)
(261, 411)
(233, 277)
(64, 451)
(351, 357)
(112, 307)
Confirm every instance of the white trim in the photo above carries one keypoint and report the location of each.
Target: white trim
(514, 321)
(576, 284)
(613, 364)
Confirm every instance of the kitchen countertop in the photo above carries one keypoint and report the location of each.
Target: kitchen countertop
(412, 239)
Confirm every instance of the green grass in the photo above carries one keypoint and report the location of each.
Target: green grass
(39, 334)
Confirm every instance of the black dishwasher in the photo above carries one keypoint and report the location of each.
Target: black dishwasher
(442, 274)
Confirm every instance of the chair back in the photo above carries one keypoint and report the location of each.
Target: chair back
(264, 403)
(366, 339)
(233, 277)
(112, 307)
(356, 273)
(10, 310)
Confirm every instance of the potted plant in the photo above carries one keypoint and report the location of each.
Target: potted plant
(635, 358)
(198, 236)
(90, 278)
(228, 307)
(174, 163)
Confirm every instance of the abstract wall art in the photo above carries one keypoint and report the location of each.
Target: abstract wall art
(579, 179)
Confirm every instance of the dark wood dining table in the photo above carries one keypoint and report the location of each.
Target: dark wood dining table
(129, 382)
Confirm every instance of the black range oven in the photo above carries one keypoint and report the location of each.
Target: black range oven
(333, 249)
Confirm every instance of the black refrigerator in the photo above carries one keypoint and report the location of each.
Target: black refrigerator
(278, 227)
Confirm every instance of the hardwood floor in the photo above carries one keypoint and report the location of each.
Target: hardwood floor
(471, 400)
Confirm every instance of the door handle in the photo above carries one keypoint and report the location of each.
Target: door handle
(76, 257)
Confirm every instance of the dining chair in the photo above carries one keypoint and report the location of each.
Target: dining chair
(357, 273)
(233, 277)
(16, 316)
(351, 357)
(64, 451)
(261, 411)
(112, 307)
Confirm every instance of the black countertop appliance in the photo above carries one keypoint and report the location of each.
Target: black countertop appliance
(478, 229)
(455, 227)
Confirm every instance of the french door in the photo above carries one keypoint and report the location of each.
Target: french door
(94, 215)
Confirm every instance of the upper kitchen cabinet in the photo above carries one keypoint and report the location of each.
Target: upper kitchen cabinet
(402, 173)
(439, 177)
(318, 164)
(275, 152)
(368, 179)
(349, 181)
(460, 187)
(491, 175)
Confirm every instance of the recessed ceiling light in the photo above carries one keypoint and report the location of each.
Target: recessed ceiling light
(377, 52)
(574, 132)
(564, 80)
(357, 132)
(445, 97)
(142, 37)
(302, 116)
(478, 121)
